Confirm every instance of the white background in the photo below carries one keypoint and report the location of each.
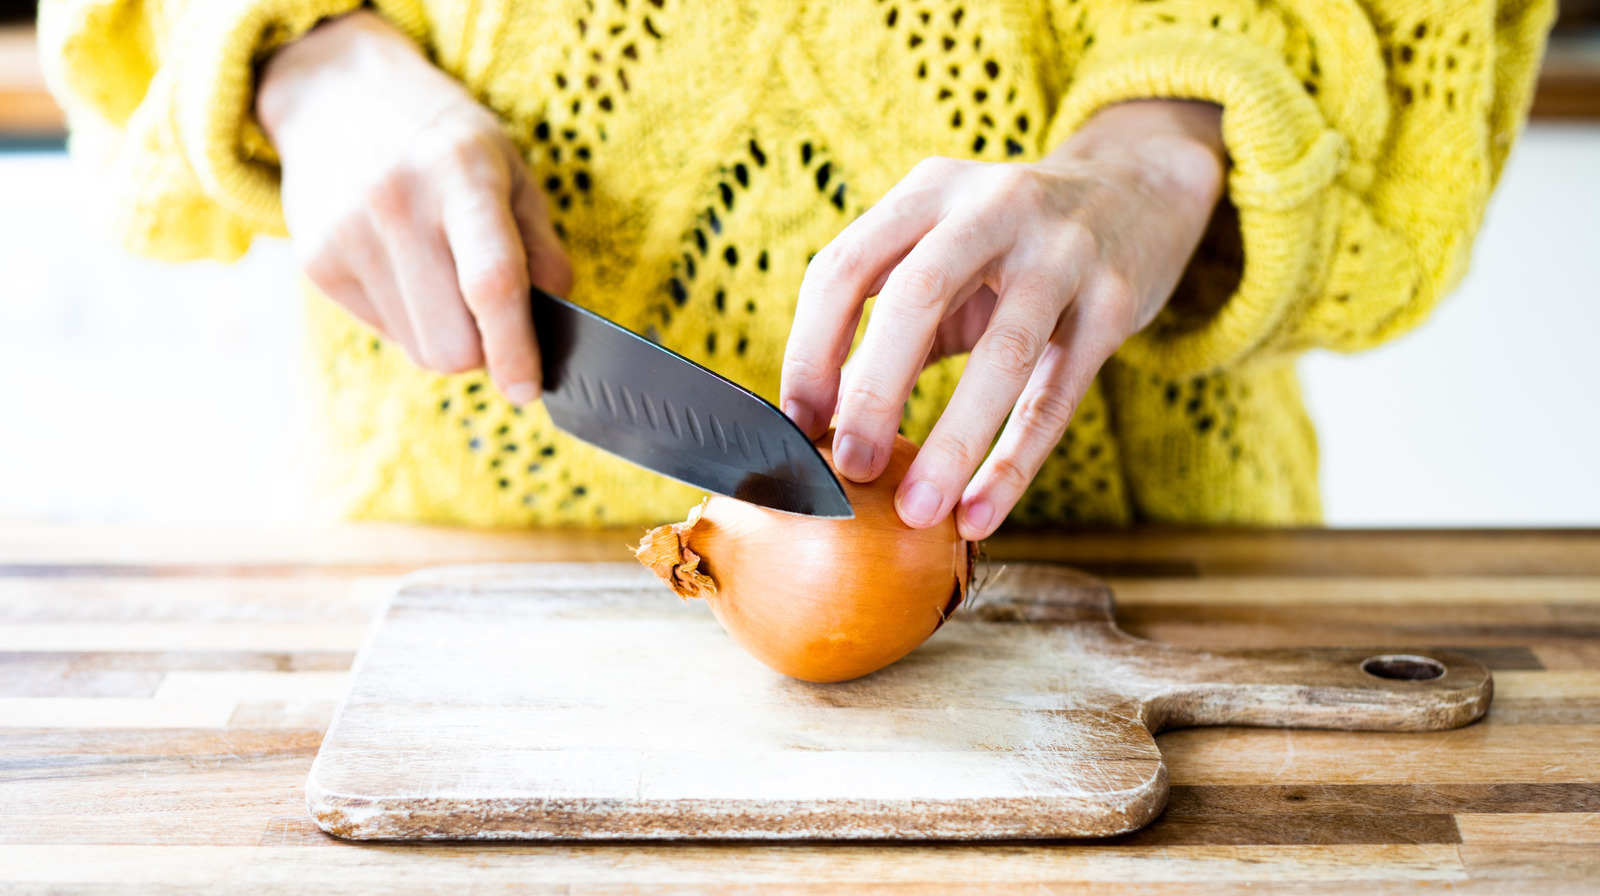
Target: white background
(134, 392)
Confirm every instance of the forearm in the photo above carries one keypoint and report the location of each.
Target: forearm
(1172, 152)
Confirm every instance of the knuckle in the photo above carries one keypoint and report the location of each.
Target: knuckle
(446, 141)
(805, 368)
(1116, 295)
(1074, 240)
(477, 159)
(1010, 475)
(1012, 350)
(473, 157)
(1046, 410)
(1107, 313)
(1014, 183)
(390, 195)
(515, 369)
(1039, 295)
(492, 286)
(961, 456)
(934, 168)
(972, 226)
(871, 400)
(465, 145)
(455, 356)
(1115, 288)
(910, 201)
(323, 265)
(842, 259)
(920, 288)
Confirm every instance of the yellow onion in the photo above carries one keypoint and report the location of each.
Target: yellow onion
(818, 599)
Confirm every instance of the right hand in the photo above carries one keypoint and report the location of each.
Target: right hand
(406, 202)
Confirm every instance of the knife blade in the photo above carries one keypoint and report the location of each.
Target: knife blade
(651, 406)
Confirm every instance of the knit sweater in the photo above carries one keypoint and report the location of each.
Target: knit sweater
(697, 155)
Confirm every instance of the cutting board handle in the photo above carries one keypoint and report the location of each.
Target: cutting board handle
(1379, 689)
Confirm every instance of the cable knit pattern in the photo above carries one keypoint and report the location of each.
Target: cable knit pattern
(696, 157)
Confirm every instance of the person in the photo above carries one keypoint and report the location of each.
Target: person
(1077, 245)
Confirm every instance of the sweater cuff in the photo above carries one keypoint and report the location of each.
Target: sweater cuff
(1284, 161)
(218, 59)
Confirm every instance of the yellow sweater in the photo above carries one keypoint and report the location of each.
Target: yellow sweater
(697, 155)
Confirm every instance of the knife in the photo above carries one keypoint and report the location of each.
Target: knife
(651, 406)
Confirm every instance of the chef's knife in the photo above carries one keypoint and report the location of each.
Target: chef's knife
(649, 405)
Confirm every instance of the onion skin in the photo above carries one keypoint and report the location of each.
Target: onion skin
(817, 599)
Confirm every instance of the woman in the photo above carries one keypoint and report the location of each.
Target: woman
(1028, 184)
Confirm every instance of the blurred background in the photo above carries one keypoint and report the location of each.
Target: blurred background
(137, 393)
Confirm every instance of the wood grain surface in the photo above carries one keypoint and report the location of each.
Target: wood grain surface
(163, 694)
(579, 701)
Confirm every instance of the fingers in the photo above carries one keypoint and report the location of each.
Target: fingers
(837, 282)
(354, 271)
(335, 281)
(447, 337)
(947, 264)
(460, 253)
(492, 272)
(405, 218)
(548, 265)
(987, 257)
(1003, 362)
(1068, 366)
(1037, 424)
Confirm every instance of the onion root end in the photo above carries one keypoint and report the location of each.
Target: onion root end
(665, 549)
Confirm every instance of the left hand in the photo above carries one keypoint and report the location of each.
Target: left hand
(1040, 270)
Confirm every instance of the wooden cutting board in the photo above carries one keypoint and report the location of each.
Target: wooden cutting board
(585, 701)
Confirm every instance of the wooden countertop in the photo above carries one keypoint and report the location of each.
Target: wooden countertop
(162, 695)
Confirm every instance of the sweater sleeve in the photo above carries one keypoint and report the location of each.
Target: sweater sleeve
(159, 97)
(1364, 140)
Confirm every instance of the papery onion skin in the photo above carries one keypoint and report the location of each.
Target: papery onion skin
(817, 599)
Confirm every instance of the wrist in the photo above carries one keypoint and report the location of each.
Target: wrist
(1174, 147)
(320, 66)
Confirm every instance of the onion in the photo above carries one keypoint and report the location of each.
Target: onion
(818, 599)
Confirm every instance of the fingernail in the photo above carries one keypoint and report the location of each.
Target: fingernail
(525, 392)
(853, 457)
(921, 502)
(801, 415)
(980, 516)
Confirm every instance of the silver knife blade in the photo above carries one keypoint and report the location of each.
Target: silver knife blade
(648, 405)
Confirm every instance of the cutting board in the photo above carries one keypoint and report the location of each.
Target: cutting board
(585, 701)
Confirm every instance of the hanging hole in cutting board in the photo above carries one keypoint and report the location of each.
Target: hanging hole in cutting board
(1403, 667)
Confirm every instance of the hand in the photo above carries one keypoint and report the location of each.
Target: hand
(406, 202)
(1039, 270)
